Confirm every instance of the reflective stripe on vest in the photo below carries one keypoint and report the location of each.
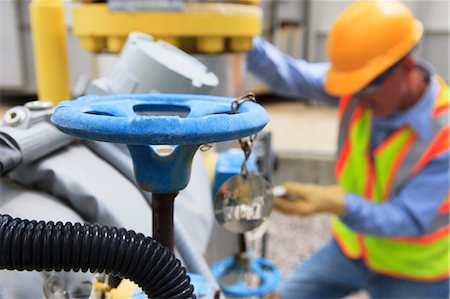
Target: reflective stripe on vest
(397, 159)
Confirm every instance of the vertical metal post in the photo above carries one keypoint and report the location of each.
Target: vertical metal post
(163, 229)
(242, 243)
(50, 50)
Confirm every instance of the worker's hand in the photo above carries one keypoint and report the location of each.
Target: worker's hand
(307, 199)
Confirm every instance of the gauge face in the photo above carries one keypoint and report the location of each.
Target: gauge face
(243, 204)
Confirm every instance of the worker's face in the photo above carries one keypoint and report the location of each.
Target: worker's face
(385, 95)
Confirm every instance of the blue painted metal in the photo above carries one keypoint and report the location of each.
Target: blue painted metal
(202, 288)
(268, 273)
(141, 120)
(162, 173)
(156, 119)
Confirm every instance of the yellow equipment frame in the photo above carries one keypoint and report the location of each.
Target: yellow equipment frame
(198, 28)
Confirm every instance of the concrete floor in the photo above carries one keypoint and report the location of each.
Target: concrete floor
(297, 127)
(299, 132)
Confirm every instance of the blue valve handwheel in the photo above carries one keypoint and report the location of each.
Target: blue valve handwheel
(268, 274)
(158, 119)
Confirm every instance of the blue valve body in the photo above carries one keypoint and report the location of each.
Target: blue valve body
(268, 274)
(142, 120)
(162, 173)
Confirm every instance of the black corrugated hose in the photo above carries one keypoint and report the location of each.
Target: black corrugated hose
(46, 246)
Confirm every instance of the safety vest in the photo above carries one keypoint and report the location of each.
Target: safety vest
(377, 174)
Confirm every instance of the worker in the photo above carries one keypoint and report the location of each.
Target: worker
(390, 208)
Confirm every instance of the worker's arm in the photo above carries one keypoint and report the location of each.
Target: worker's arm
(287, 76)
(411, 212)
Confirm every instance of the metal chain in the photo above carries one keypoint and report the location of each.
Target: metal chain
(205, 147)
(246, 144)
(249, 96)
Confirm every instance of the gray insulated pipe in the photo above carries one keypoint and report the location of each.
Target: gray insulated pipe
(46, 246)
(19, 145)
(122, 162)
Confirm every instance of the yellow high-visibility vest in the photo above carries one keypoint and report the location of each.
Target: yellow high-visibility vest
(377, 174)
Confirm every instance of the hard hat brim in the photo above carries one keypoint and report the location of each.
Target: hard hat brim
(340, 83)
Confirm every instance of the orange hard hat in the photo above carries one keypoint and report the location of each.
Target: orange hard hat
(366, 39)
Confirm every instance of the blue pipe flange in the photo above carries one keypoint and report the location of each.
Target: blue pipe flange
(269, 276)
(141, 120)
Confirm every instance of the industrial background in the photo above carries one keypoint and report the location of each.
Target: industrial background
(303, 133)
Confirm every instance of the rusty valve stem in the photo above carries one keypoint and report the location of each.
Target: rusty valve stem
(162, 204)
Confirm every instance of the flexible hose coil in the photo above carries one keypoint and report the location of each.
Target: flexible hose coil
(45, 246)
